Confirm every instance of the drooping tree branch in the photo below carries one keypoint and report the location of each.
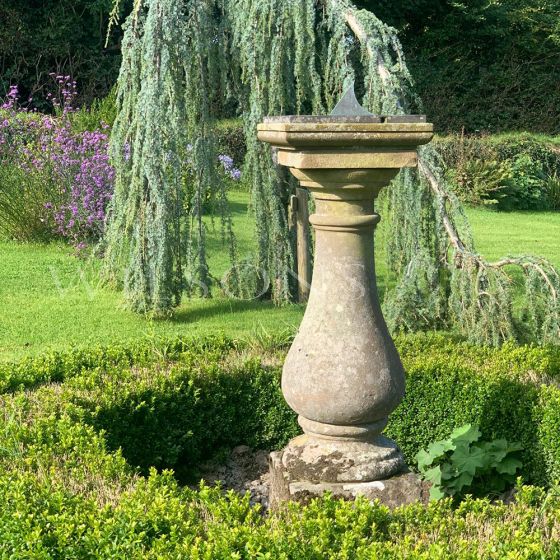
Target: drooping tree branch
(279, 58)
(362, 36)
(450, 228)
(481, 292)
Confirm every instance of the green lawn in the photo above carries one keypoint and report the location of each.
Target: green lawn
(498, 234)
(50, 299)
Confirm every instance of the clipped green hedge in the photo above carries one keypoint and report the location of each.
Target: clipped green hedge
(511, 392)
(172, 403)
(81, 433)
(173, 418)
(155, 519)
(58, 366)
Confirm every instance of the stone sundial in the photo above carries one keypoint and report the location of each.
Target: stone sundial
(343, 375)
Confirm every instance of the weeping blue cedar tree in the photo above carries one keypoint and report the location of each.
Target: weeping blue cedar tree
(184, 61)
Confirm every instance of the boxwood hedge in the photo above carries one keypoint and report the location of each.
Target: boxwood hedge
(86, 436)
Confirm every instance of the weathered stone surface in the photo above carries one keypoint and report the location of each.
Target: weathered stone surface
(393, 492)
(279, 488)
(340, 159)
(401, 489)
(319, 460)
(334, 132)
(343, 120)
(343, 375)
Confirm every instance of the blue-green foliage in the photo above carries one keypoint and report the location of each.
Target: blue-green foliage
(469, 67)
(183, 64)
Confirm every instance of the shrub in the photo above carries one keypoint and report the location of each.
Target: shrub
(36, 39)
(500, 391)
(24, 198)
(176, 418)
(461, 464)
(55, 176)
(515, 172)
(174, 412)
(153, 518)
(553, 191)
(231, 139)
(102, 110)
(69, 486)
(543, 149)
(58, 367)
(480, 182)
(526, 188)
(471, 61)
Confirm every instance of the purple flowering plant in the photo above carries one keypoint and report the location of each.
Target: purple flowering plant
(229, 168)
(71, 169)
(226, 170)
(56, 181)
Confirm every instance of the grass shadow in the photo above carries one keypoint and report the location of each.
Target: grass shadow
(219, 308)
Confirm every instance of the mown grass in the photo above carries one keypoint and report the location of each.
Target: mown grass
(51, 300)
(498, 234)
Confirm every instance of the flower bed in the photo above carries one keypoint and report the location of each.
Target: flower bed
(56, 177)
(55, 181)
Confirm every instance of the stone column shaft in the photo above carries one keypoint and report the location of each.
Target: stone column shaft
(343, 375)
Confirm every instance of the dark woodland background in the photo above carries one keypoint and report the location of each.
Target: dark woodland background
(479, 65)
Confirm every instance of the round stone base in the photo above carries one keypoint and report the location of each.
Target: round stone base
(401, 489)
(318, 460)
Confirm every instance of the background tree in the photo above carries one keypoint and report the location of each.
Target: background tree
(67, 37)
(480, 65)
(495, 63)
(271, 58)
